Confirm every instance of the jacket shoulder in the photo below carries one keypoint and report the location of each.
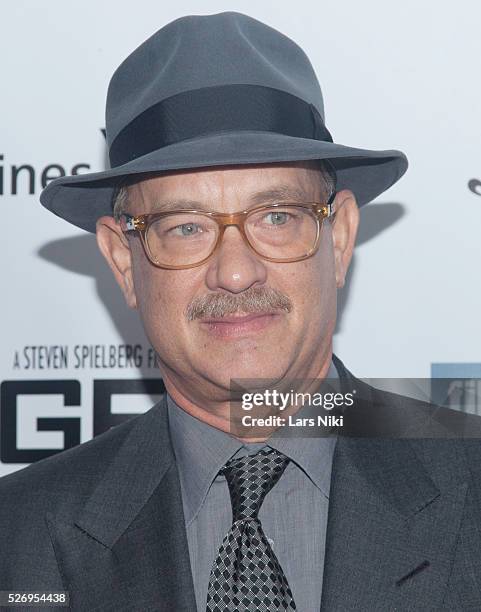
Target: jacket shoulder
(440, 435)
(68, 475)
(58, 486)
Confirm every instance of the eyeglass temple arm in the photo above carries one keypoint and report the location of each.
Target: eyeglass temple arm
(130, 222)
(330, 204)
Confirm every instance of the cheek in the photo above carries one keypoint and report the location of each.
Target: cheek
(162, 296)
(324, 263)
(151, 289)
(315, 278)
(312, 286)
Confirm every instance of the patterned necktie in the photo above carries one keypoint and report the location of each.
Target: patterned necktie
(246, 575)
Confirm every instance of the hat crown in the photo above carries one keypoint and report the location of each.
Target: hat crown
(195, 52)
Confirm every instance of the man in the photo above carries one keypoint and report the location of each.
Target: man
(229, 219)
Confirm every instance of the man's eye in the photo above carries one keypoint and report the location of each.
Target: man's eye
(186, 229)
(277, 217)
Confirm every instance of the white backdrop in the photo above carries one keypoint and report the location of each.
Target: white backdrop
(394, 75)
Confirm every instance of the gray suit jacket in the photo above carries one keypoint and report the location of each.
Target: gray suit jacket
(104, 521)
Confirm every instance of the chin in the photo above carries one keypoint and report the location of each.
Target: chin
(251, 371)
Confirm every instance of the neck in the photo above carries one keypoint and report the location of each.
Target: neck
(220, 414)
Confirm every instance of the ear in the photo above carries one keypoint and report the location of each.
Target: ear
(344, 231)
(114, 246)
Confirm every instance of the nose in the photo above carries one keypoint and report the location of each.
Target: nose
(234, 267)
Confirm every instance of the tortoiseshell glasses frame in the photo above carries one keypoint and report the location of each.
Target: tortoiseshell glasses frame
(141, 224)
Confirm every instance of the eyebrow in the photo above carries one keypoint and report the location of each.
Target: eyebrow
(168, 205)
(283, 193)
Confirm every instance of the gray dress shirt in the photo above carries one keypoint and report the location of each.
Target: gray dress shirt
(293, 515)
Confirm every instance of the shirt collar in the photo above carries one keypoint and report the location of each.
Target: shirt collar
(313, 455)
(202, 450)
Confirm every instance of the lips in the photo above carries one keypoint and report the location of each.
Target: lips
(240, 324)
(237, 318)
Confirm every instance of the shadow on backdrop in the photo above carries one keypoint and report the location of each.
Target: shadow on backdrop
(80, 255)
(375, 218)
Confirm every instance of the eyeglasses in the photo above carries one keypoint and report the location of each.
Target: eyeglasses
(176, 240)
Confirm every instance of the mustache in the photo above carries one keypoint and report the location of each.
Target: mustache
(254, 299)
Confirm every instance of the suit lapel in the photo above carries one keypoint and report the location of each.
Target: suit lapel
(127, 548)
(391, 530)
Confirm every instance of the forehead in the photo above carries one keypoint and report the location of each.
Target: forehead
(296, 180)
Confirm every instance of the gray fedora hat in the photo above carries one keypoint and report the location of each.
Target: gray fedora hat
(215, 90)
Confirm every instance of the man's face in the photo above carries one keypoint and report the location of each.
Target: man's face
(292, 306)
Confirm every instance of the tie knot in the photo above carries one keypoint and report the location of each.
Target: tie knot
(250, 479)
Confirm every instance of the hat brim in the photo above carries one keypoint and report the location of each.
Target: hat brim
(82, 199)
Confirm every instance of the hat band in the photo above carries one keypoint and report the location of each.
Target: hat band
(210, 110)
